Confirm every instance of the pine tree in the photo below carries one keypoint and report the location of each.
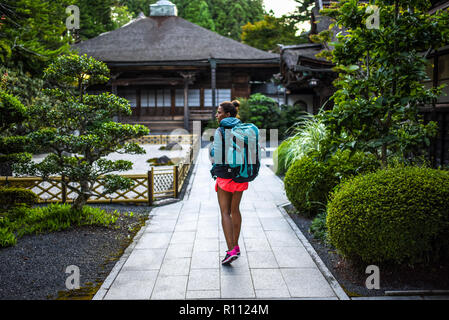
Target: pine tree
(32, 33)
(197, 11)
(95, 17)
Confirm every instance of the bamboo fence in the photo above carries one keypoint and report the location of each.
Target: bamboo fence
(148, 187)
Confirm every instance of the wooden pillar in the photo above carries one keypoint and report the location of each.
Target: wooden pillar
(150, 186)
(188, 79)
(63, 190)
(213, 85)
(114, 92)
(186, 106)
(175, 181)
(138, 103)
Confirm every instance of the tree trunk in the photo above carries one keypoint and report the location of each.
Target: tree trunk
(82, 198)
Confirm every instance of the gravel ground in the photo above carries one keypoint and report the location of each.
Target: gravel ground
(352, 277)
(34, 269)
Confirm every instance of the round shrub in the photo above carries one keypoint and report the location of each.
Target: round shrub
(392, 215)
(307, 184)
(10, 197)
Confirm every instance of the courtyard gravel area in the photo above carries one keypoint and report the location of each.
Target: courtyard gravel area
(35, 268)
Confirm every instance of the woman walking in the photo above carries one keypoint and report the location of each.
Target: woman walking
(229, 192)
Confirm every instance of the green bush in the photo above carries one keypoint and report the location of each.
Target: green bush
(344, 164)
(10, 197)
(393, 215)
(260, 110)
(308, 182)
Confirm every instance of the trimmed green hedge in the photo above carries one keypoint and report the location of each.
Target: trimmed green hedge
(10, 197)
(308, 182)
(393, 215)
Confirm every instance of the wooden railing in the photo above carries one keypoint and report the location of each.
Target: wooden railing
(148, 187)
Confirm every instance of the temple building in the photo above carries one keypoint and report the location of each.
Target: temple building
(308, 79)
(173, 71)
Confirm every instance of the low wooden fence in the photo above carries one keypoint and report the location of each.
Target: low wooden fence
(148, 187)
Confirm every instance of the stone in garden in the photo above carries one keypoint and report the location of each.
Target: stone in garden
(173, 146)
(163, 160)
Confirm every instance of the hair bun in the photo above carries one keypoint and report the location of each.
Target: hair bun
(236, 103)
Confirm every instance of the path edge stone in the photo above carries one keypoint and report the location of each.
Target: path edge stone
(339, 292)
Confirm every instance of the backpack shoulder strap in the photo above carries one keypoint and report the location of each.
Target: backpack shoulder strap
(223, 151)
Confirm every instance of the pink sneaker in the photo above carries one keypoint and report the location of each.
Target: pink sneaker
(237, 250)
(230, 256)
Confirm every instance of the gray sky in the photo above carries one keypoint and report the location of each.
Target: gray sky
(281, 7)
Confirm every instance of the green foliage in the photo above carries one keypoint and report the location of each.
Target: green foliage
(79, 129)
(12, 145)
(120, 16)
(269, 32)
(260, 110)
(21, 221)
(95, 17)
(32, 33)
(381, 72)
(318, 227)
(310, 137)
(280, 156)
(22, 85)
(197, 11)
(303, 10)
(10, 197)
(398, 215)
(309, 181)
(307, 184)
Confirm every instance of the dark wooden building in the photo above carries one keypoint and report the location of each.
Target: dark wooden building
(438, 74)
(306, 78)
(173, 71)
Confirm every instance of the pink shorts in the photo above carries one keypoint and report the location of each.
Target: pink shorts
(229, 185)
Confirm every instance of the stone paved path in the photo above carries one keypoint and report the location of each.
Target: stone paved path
(177, 254)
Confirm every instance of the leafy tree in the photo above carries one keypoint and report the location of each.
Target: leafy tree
(197, 11)
(229, 17)
(261, 110)
(32, 33)
(79, 131)
(271, 31)
(303, 10)
(137, 6)
(95, 17)
(381, 73)
(120, 16)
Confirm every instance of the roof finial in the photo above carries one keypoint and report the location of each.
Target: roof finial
(163, 8)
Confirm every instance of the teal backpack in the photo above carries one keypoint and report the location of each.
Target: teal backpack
(240, 155)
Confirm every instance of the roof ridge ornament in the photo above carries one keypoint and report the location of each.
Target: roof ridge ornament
(163, 8)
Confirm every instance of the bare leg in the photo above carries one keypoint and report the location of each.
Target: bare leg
(236, 216)
(224, 200)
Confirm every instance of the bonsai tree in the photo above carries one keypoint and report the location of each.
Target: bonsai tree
(78, 130)
(381, 72)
